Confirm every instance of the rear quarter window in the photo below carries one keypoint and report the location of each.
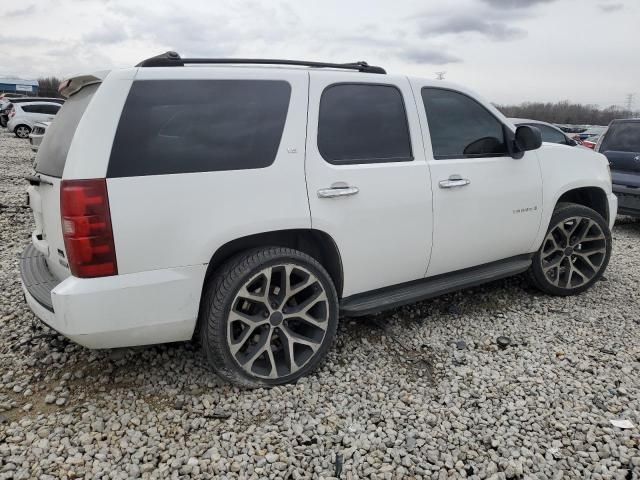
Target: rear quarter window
(52, 153)
(186, 126)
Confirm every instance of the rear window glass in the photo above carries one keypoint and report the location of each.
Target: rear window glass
(622, 137)
(185, 126)
(52, 153)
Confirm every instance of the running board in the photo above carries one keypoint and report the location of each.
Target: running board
(415, 291)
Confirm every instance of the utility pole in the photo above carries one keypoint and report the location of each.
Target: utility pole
(440, 75)
(629, 103)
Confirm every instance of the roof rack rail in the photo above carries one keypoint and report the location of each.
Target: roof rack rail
(173, 59)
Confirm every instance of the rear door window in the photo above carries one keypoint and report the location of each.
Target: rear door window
(53, 150)
(363, 123)
(31, 109)
(185, 126)
(622, 137)
(49, 109)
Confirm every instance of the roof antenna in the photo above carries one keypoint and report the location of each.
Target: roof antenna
(440, 75)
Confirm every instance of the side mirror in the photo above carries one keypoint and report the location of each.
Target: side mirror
(527, 138)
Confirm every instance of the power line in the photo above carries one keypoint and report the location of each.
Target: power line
(629, 102)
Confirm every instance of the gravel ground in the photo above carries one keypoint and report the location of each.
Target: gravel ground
(420, 392)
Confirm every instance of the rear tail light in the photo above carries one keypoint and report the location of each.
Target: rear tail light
(86, 228)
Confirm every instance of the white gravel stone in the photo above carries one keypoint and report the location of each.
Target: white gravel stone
(419, 392)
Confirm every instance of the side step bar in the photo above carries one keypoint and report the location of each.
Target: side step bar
(415, 291)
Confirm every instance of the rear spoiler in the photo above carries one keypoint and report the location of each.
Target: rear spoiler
(74, 84)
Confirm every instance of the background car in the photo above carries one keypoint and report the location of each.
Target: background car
(621, 145)
(550, 133)
(592, 131)
(5, 108)
(36, 135)
(7, 97)
(24, 116)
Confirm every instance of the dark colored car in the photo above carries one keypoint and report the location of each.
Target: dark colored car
(621, 145)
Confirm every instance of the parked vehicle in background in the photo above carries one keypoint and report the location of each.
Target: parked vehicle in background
(23, 116)
(550, 133)
(5, 109)
(7, 97)
(621, 145)
(572, 128)
(254, 205)
(592, 131)
(591, 142)
(37, 134)
(4, 113)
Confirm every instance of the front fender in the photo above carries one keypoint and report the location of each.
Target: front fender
(565, 169)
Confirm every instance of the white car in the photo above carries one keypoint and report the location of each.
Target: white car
(37, 134)
(25, 115)
(254, 206)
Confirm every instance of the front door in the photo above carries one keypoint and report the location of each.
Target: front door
(367, 179)
(487, 205)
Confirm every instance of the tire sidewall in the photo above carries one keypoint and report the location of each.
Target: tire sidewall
(563, 212)
(220, 324)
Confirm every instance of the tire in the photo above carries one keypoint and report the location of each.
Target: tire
(259, 307)
(574, 253)
(22, 131)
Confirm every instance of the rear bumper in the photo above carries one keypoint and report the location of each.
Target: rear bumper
(628, 199)
(144, 308)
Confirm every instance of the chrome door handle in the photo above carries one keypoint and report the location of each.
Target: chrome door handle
(454, 181)
(338, 190)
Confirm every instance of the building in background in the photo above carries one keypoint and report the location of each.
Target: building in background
(18, 85)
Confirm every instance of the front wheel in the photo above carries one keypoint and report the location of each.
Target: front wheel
(574, 253)
(22, 131)
(268, 317)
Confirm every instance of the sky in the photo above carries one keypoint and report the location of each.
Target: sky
(509, 51)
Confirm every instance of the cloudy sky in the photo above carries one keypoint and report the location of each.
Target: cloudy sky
(508, 50)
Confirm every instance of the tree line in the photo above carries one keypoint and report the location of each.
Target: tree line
(566, 112)
(48, 87)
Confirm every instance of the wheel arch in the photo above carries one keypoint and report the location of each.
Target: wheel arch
(315, 243)
(588, 196)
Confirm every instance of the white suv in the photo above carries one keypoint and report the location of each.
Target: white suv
(253, 206)
(24, 116)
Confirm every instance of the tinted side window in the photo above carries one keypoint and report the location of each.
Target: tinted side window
(363, 123)
(460, 127)
(183, 126)
(49, 109)
(31, 108)
(622, 137)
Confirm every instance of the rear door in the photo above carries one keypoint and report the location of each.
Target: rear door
(368, 182)
(44, 197)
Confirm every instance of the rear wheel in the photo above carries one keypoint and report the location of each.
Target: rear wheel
(574, 253)
(268, 317)
(22, 131)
